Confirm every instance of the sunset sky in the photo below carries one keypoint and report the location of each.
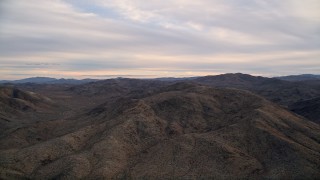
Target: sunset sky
(135, 38)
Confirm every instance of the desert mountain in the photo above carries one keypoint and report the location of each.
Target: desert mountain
(279, 91)
(302, 77)
(180, 130)
(13, 99)
(308, 108)
(276, 90)
(119, 86)
(18, 109)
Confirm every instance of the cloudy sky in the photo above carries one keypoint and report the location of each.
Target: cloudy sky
(136, 38)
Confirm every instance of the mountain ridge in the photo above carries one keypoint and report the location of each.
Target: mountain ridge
(48, 80)
(285, 93)
(301, 77)
(182, 130)
(39, 79)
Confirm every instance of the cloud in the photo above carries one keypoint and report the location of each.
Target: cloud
(175, 38)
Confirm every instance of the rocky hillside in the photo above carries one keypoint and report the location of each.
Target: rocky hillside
(13, 99)
(308, 108)
(276, 90)
(182, 130)
(119, 86)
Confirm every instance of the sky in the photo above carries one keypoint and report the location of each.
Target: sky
(158, 38)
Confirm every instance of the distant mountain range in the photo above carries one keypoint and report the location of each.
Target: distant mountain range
(48, 80)
(302, 77)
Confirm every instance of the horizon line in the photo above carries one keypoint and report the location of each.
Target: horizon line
(99, 77)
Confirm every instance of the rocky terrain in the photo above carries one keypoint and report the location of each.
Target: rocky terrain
(308, 108)
(210, 127)
(282, 92)
(276, 90)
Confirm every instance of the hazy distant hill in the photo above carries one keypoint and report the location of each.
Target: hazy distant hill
(119, 86)
(48, 80)
(302, 77)
(175, 79)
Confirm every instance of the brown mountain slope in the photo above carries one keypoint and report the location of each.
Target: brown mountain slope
(18, 110)
(12, 99)
(276, 90)
(181, 131)
(15, 103)
(308, 108)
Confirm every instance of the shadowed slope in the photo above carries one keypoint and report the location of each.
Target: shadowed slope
(308, 108)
